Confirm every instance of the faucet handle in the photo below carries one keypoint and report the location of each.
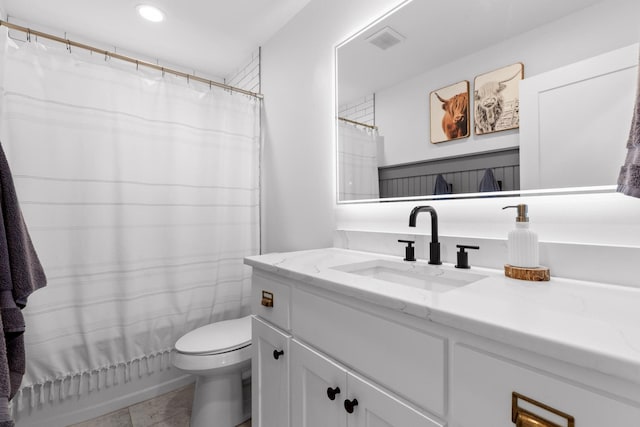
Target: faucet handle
(463, 257)
(409, 252)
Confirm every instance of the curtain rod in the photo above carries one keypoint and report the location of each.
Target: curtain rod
(353, 122)
(125, 58)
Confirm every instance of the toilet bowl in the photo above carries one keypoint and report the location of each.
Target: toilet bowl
(218, 354)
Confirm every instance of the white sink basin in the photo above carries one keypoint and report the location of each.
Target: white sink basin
(427, 277)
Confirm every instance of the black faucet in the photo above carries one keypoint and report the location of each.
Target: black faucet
(434, 246)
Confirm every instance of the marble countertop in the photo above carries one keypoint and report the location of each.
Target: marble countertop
(593, 325)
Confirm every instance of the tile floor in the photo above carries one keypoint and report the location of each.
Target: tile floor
(172, 409)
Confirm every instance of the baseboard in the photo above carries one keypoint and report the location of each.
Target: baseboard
(81, 408)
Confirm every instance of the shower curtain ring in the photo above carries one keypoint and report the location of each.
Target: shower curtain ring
(29, 35)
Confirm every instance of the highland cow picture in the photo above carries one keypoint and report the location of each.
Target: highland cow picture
(449, 111)
(496, 99)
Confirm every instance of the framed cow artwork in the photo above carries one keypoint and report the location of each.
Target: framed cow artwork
(496, 99)
(449, 112)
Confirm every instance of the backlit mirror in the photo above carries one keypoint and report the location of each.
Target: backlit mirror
(459, 97)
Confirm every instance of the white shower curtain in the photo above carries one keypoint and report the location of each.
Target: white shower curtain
(141, 195)
(358, 162)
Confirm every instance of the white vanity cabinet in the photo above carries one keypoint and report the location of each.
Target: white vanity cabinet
(388, 374)
(345, 343)
(482, 394)
(409, 362)
(325, 393)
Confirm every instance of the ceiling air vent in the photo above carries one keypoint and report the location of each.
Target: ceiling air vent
(385, 38)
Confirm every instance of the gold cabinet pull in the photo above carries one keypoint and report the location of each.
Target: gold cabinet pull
(267, 299)
(524, 418)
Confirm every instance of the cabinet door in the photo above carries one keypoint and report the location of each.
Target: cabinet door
(270, 376)
(483, 383)
(377, 408)
(318, 387)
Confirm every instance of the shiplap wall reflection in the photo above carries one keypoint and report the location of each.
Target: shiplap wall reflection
(464, 174)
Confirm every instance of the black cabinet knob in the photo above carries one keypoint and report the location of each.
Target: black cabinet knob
(350, 404)
(277, 354)
(331, 392)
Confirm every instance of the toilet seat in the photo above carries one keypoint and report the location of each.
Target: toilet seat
(216, 338)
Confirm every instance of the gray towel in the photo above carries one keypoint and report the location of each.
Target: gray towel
(4, 413)
(20, 275)
(488, 182)
(629, 178)
(442, 186)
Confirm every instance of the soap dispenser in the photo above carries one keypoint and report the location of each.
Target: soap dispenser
(522, 242)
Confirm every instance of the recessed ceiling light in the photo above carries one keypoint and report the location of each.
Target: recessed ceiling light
(150, 13)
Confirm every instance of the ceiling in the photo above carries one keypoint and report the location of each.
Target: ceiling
(212, 37)
(431, 41)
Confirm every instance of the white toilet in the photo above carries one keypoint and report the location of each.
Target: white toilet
(218, 353)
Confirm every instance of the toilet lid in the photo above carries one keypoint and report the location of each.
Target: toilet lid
(218, 337)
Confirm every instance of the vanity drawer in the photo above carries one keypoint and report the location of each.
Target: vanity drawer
(271, 300)
(406, 361)
(483, 386)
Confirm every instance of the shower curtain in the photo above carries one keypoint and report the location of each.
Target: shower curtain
(358, 162)
(141, 194)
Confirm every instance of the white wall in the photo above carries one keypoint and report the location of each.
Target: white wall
(298, 167)
(299, 207)
(402, 112)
